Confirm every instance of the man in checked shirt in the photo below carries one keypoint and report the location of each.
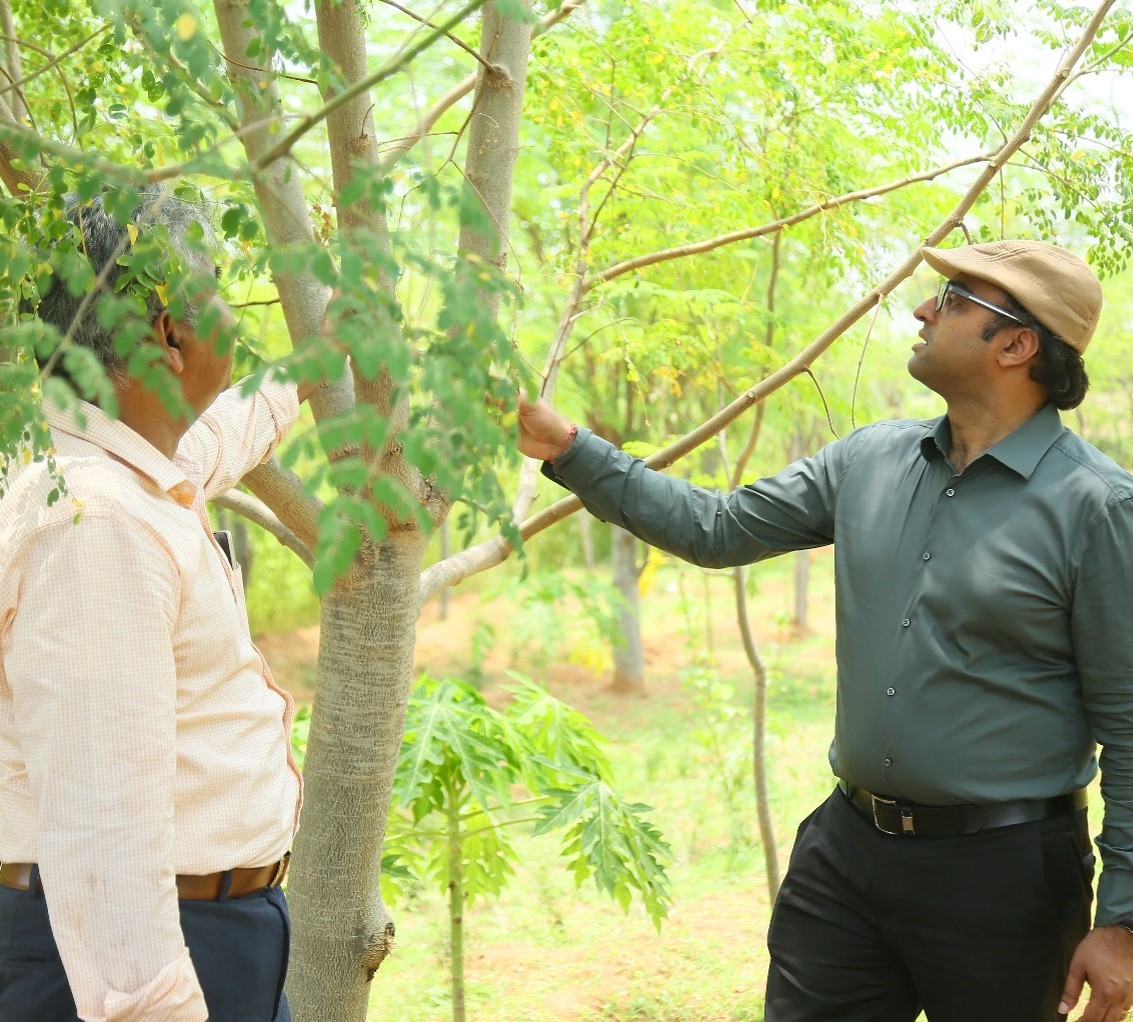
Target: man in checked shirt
(984, 578)
(148, 797)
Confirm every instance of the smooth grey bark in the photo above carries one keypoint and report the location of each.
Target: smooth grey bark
(493, 137)
(343, 931)
(800, 443)
(801, 576)
(10, 60)
(758, 734)
(278, 188)
(629, 657)
(586, 537)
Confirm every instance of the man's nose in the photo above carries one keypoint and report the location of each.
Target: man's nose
(925, 311)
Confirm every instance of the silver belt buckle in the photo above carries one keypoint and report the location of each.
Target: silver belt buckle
(907, 826)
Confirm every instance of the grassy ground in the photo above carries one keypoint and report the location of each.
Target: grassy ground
(546, 951)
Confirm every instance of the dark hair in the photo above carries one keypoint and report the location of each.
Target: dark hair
(102, 239)
(1057, 366)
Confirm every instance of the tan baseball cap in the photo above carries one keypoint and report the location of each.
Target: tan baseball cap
(1052, 284)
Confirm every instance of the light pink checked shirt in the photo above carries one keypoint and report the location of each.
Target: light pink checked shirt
(141, 734)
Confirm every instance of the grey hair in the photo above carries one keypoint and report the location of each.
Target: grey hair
(103, 239)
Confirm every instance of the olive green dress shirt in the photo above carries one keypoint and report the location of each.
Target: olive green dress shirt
(984, 640)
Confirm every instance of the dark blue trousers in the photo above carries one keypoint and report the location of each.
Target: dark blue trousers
(239, 949)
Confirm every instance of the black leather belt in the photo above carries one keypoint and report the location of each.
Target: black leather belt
(910, 819)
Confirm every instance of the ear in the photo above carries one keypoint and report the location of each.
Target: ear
(1020, 349)
(165, 332)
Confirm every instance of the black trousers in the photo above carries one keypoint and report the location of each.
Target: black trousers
(870, 927)
(239, 949)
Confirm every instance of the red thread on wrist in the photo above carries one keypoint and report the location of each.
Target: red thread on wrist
(571, 434)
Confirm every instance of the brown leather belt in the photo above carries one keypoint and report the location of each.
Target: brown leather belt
(191, 888)
(910, 819)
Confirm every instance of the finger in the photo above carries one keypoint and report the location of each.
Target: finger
(1101, 1008)
(1072, 990)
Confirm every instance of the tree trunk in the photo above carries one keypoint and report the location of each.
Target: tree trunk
(364, 670)
(798, 447)
(759, 736)
(586, 535)
(456, 905)
(629, 659)
(802, 591)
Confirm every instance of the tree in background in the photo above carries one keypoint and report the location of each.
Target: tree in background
(348, 198)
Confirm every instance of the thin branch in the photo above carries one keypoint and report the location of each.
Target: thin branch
(10, 132)
(462, 89)
(46, 53)
(448, 35)
(387, 70)
(708, 245)
(258, 513)
(1092, 67)
(261, 70)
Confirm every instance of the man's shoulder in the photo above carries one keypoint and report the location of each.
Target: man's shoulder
(887, 435)
(47, 493)
(1093, 470)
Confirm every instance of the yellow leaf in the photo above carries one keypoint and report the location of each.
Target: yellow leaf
(162, 292)
(185, 27)
(132, 230)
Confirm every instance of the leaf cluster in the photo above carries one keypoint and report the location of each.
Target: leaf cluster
(467, 771)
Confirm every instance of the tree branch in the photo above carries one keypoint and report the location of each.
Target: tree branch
(258, 513)
(448, 35)
(387, 70)
(282, 492)
(353, 147)
(54, 59)
(496, 550)
(280, 194)
(699, 247)
(462, 89)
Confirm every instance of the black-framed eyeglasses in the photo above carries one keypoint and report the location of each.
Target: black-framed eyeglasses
(950, 287)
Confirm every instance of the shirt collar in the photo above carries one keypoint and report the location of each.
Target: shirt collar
(122, 444)
(1020, 451)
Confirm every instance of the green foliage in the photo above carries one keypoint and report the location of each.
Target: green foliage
(463, 762)
(560, 617)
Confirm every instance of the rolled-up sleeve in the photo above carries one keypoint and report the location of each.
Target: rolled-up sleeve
(1103, 645)
(792, 510)
(99, 737)
(236, 433)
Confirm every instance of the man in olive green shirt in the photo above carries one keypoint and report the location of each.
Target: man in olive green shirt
(984, 575)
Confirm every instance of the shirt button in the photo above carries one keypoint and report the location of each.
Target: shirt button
(905, 623)
(890, 691)
(950, 492)
(925, 556)
(887, 762)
